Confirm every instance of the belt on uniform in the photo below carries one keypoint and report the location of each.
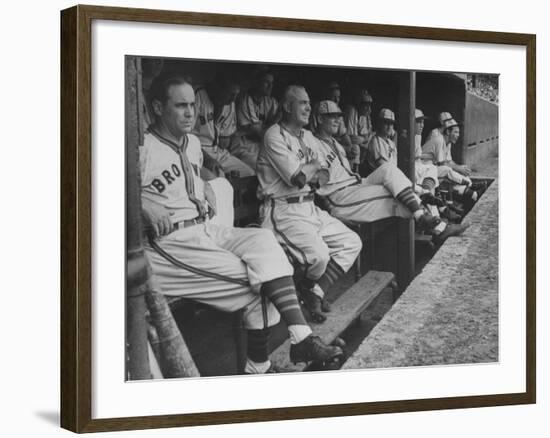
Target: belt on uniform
(187, 223)
(298, 199)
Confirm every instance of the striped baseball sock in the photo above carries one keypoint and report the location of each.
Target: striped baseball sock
(282, 293)
(332, 273)
(428, 184)
(407, 198)
(257, 345)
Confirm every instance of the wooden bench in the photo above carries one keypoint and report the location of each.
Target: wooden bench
(346, 309)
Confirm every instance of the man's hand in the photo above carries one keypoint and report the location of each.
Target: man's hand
(323, 176)
(464, 170)
(310, 170)
(156, 218)
(211, 199)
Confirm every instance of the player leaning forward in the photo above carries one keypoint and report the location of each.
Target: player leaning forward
(386, 192)
(226, 267)
(288, 168)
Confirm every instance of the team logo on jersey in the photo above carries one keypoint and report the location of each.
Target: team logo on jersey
(168, 177)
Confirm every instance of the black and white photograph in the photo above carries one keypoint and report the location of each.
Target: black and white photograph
(285, 218)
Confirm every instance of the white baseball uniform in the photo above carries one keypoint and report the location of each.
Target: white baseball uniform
(440, 153)
(355, 199)
(311, 236)
(251, 110)
(208, 128)
(381, 148)
(434, 133)
(357, 124)
(423, 168)
(218, 265)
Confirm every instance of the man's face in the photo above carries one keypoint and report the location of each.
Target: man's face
(454, 134)
(419, 127)
(265, 85)
(364, 108)
(334, 95)
(299, 107)
(329, 123)
(178, 112)
(387, 128)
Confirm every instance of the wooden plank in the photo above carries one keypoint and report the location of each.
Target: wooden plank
(345, 310)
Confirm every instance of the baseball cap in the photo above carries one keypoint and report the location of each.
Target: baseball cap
(386, 114)
(419, 115)
(365, 96)
(328, 107)
(449, 123)
(443, 117)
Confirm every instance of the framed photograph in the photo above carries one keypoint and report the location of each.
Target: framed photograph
(269, 218)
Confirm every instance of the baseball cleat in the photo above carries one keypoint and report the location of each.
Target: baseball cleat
(427, 221)
(479, 185)
(450, 230)
(450, 215)
(428, 198)
(312, 303)
(312, 349)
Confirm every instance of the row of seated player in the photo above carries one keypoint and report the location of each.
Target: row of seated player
(231, 268)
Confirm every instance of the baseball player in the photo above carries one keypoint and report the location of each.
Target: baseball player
(438, 149)
(288, 168)
(256, 111)
(225, 267)
(425, 172)
(358, 119)
(438, 131)
(381, 148)
(217, 123)
(332, 92)
(386, 192)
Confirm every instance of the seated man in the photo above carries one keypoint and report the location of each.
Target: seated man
(425, 172)
(438, 151)
(358, 122)
(381, 147)
(332, 92)
(256, 111)
(288, 169)
(386, 192)
(438, 130)
(217, 122)
(225, 267)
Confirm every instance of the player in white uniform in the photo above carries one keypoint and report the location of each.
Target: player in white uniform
(381, 148)
(256, 111)
(359, 123)
(217, 123)
(425, 172)
(438, 149)
(438, 131)
(226, 267)
(333, 93)
(386, 192)
(287, 169)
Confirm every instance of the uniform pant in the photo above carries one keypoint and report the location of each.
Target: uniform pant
(373, 198)
(445, 172)
(228, 267)
(311, 236)
(228, 162)
(425, 170)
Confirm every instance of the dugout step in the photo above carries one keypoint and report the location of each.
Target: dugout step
(345, 310)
